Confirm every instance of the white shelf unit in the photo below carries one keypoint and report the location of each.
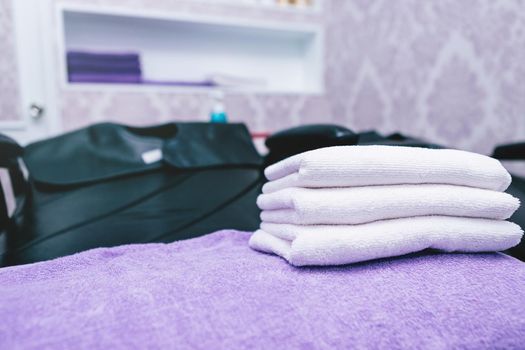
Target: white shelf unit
(184, 47)
(314, 7)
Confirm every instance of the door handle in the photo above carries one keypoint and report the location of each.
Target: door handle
(36, 111)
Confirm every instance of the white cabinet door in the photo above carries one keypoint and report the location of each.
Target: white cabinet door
(33, 37)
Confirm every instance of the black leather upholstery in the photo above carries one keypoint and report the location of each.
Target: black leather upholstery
(92, 188)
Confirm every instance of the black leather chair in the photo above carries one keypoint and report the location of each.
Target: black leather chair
(10, 152)
(111, 184)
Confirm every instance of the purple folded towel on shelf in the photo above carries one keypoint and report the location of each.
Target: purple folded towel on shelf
(92, 67)
(214, 292)
(105, 57)
(117, 68)
(104, 68)
(104, 78)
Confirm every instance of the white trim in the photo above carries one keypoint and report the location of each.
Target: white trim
(54, 117)
(60, 35)
(12, 125)
(274, 6)
(35, 73)
(191, 17)
(112, 88)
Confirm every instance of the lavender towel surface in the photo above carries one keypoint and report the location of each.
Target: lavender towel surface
(214, 292)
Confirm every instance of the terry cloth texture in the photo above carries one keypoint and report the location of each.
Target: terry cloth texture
(214, 292)
(343, 166)
(356, 205)
(345, 244)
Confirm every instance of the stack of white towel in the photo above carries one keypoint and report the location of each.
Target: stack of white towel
(346, 204)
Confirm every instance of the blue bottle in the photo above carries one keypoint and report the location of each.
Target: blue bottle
(218, 113)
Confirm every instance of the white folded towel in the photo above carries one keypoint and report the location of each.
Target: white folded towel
(345, 244)
(357, 205)
(343, 166)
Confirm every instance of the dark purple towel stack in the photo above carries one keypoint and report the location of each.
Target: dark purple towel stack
(93, 67)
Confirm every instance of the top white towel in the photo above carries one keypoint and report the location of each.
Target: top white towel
(347, 166)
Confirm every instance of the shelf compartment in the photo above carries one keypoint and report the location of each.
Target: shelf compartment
(285, 58)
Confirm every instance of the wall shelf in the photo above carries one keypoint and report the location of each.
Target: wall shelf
(302, 6)
(288, 58)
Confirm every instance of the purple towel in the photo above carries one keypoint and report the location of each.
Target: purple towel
(98, 67)
(111, 57)
(214, 292)
(117, 78)
(104, 68)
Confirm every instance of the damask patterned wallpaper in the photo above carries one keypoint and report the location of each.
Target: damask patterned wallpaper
(446, 70)
(9, 96)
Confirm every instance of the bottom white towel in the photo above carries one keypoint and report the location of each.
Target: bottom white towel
(345, 244)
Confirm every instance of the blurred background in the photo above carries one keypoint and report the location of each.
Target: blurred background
(451, 72)
(433, 73)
